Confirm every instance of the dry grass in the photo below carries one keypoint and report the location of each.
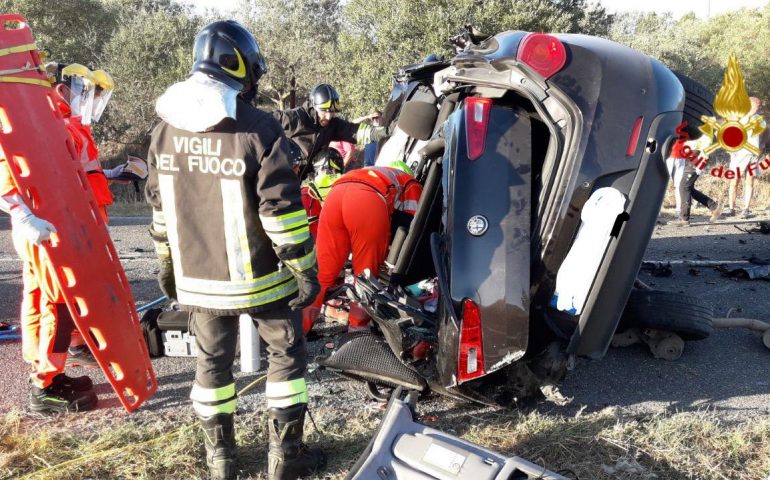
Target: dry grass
(604, 445)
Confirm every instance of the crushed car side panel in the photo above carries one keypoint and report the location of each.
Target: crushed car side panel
(632, 105)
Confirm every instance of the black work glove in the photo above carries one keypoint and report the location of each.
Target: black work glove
(309, 288)
(166, 278)
(305, 270)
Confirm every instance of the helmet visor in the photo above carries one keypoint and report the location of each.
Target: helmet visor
(101, 98)
(331, 105)
(81, 98)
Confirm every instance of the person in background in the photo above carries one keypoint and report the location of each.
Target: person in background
(346, 150)
(81, 106)
(232, 238)
(747, 164)
(684, 174)
(370, 149)
(315, 124)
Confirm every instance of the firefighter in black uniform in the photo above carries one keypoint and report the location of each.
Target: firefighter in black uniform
(232, 237)
(314, 125)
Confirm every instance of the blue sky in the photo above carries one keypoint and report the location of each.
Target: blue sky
(677, 7)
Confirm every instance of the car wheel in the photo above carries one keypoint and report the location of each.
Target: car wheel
(698, 101)
(687, 316)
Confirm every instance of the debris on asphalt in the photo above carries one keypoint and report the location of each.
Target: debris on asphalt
(762, 228)
(650, 264)
(757, 272)
(657, 269)
(553, 394)
(759, 261)
(666, 345)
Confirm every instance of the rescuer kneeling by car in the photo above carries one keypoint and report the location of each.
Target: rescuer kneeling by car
(356, 218)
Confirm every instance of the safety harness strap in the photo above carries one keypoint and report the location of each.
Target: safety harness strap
(29, 81)
(17, 49)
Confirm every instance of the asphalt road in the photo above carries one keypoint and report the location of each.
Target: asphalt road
(726, 373)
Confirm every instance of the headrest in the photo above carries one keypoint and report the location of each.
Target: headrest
(418, 119)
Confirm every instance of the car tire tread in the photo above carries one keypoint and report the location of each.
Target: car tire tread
(685, 315)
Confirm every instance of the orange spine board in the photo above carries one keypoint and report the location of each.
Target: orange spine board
(36, 145)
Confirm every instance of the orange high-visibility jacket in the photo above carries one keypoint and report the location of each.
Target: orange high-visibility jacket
(399, 189)
(88, 154)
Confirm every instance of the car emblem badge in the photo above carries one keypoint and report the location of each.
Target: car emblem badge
(477, 225)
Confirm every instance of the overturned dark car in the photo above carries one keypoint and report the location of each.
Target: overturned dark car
(542, 159)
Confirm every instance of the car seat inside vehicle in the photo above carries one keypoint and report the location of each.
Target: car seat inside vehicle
(410, 254)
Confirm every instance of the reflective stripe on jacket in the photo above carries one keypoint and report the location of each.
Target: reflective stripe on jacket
(399, 189)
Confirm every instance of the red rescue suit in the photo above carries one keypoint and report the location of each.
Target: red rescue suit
(46, 324)
(47, 327)
(89, 158)
(356, 217)
(312, 208)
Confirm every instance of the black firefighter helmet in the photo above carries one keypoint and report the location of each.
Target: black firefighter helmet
(328, 160)
(227, 52)
(324, 97)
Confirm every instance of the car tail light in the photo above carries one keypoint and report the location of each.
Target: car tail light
(476, 122)
(544, 53)
(470, 363)
(633, 140)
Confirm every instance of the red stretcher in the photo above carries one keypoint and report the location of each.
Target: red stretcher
(35, 143)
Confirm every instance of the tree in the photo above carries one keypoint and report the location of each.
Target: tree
(382, 35)
(700, 48)
(743, 32)
(295, 36)
(357, 45)
(69, 30)
(148, 52)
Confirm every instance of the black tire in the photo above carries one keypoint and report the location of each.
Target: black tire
(687, 316)
(698, 101)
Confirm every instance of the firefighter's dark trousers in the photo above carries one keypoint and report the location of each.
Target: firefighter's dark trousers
(216, 336)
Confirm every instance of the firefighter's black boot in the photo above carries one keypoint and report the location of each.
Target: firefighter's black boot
(77, 384)
(58, 398)
(219, 440)
(288, 458)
